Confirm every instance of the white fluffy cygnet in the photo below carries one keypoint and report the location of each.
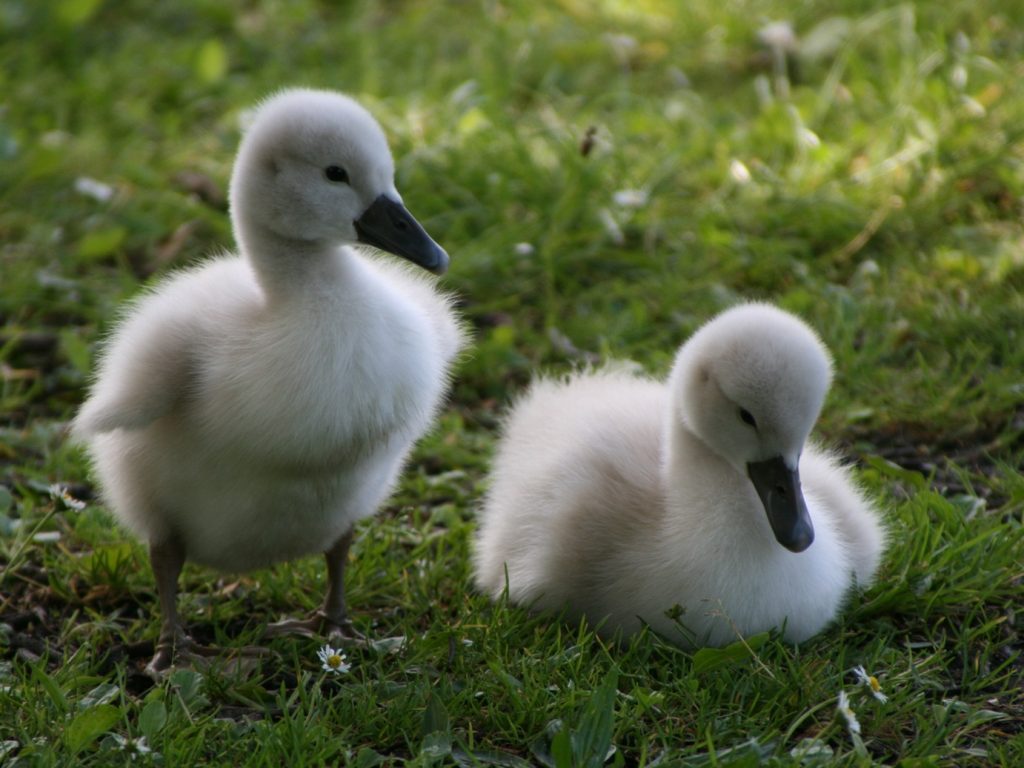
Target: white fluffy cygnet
(252, 409)
(624, 499)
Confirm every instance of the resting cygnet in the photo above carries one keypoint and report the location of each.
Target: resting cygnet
(695, 506)
(252, 409)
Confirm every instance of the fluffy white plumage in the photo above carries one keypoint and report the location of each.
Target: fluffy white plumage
(619, 497)
(253, 408)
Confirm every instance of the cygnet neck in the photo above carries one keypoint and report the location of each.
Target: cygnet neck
(685, 454)
(289, 267)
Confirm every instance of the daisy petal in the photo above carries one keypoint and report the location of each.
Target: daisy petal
(333, 660)
(844, 709)
(871, 682)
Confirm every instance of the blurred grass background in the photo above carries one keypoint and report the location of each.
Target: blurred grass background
(606, 175)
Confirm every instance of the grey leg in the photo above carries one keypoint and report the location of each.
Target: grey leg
(167, 559)
(335, 609)
(332, 619)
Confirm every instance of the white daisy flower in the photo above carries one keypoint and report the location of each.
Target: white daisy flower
(778, 34)
(132, 746)
(58, 491)
(871, 682)
(97, 190)
(630, 198)
(333, 660)
(843, 706)
(739, 172)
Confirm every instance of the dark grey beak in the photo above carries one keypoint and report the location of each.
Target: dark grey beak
(779, 489)
(387, 225)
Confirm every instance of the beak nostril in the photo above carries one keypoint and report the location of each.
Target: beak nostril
(781, 490)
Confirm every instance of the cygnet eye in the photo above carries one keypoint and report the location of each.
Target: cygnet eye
(336, 173)
(748, 418)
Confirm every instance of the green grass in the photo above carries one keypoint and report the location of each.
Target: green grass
(881, 199)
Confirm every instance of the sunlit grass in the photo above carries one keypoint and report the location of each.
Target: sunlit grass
(870, 181)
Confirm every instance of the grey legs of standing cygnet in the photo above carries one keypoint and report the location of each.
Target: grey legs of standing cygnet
(331, 621)
(167, 559)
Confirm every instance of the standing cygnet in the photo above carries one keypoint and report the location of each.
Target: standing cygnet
(624, 499)
(252, 409)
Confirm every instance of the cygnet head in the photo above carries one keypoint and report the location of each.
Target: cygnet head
(750, 384)
(314, 168)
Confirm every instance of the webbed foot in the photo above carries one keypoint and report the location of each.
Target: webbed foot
(318, 625)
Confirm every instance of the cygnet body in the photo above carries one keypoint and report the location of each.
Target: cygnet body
(252, 409)
(696, 506)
